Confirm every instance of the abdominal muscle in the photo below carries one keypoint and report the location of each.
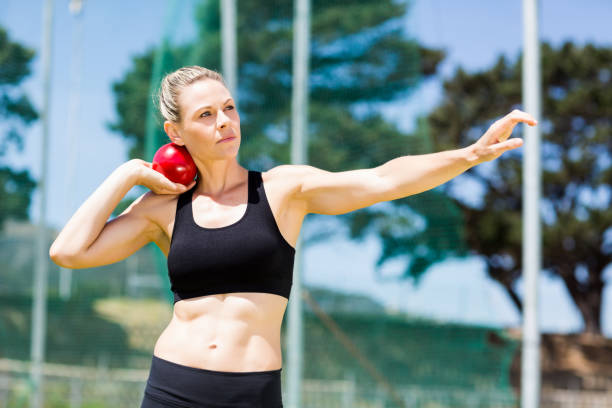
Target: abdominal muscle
(237, 332)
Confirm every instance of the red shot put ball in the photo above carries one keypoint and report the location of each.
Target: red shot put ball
(175, 162)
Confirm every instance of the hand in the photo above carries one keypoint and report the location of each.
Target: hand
(155, 181)
(493, 143)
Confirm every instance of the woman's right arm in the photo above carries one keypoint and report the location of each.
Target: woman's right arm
(89, 240)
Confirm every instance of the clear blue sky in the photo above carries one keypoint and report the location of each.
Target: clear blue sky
(473, 33)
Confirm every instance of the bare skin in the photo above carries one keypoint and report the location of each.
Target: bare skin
(240, 332)
(232, 331)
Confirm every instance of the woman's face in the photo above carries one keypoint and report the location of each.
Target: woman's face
(208, 115)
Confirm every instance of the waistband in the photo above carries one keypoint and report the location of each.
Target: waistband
(226, 373)
(191, 387)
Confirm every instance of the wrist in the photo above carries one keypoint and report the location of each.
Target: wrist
(470, 155)
(131, 170)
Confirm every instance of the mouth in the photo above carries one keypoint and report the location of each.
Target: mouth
(227, 139)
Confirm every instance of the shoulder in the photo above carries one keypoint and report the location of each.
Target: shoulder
(284, 184)
(290, 176)
(299, 176)
(294, 172)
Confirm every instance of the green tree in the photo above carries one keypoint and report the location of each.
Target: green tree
(360, 57)
(576, 166)
(16, 111)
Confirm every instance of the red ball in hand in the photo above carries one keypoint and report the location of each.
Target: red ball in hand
(175, 162)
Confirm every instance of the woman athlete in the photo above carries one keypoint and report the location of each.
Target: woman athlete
(230, 237)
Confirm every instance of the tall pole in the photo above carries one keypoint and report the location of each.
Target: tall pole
(39, 301)
(299, 155)
(532, 255)
(228, 44)
(75, 7)
(229, 53)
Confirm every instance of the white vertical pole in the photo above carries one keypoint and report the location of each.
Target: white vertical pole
(229, 53)
(228, 44)
(39, 298)
(299, 155)
(75, 7)
(530, 366)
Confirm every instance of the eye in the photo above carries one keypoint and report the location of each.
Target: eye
(207, 113)
(230, 107)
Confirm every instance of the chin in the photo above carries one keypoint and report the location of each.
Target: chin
(229, 154)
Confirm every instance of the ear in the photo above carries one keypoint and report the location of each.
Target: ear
(172, 131)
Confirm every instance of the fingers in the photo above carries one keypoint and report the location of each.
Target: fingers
(168, 186)
(160, 184)
(510, 144)
(502, 128)
(517, 116)
(495, 140)
(182, 188)
(190, 185)
(163, 185)
(176, 188)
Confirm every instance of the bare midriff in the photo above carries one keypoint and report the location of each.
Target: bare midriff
(236, 332)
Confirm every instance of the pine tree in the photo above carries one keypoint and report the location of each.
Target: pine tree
(16, 111)
(576, 165)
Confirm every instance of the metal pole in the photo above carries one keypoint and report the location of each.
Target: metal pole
(39, 299)
(228, 46)
(530, 366)
(75, 7)
(299, 155)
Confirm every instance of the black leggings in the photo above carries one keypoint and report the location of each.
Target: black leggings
(179, 386)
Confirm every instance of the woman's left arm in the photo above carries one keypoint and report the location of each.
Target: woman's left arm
(337, 193)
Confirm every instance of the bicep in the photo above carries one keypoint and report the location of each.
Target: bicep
(121, 237)
(333, 193)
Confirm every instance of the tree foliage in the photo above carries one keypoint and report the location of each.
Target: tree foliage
(576, 169)
(16, 112)
(360, 56)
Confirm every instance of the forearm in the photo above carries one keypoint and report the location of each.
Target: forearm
(88, 221)
(408, 175)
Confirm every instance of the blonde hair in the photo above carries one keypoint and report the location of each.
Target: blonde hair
(174, 82)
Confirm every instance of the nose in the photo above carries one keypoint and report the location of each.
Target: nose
(222, 120)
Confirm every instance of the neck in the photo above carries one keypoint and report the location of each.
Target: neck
(214, 178)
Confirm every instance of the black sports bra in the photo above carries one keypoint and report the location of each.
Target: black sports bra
(249, 255)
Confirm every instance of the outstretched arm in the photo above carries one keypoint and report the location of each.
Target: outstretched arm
(326, 192)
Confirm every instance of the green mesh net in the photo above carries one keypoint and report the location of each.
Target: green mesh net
(362, 59)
